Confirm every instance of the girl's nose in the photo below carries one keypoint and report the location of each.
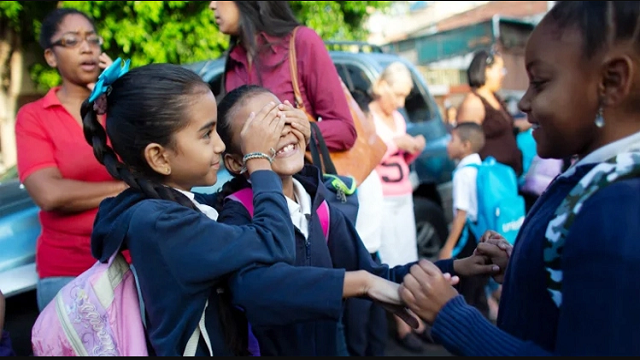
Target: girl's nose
(286, 130)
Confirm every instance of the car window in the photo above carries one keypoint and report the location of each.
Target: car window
(417, 107)
(358, 79)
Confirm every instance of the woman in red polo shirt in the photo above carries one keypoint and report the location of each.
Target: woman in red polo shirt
(55, 164)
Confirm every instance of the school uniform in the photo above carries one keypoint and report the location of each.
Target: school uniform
(600, 261)
(294, 323)
(182, 256)
(465, 197)
(5, 344)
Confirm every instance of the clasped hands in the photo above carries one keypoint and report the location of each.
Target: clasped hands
(426, 290)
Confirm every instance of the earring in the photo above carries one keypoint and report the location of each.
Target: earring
(600, 118)
(167, 171)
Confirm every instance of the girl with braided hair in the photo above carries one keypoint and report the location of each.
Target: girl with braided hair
(162, 128)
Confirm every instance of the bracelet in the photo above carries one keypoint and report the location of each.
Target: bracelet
(256, 155)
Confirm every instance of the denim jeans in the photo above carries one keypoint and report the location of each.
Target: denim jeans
(48, 288)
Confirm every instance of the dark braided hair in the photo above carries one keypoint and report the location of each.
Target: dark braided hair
(148, 105)
(601, 23)
(227, 108)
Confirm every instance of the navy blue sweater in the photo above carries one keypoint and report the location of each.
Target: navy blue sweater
(600, 313)
(298, 310)
(181, 256)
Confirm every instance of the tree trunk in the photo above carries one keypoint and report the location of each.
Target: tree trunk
(11, 68)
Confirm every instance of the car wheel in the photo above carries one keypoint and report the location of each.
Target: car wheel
(431, 228)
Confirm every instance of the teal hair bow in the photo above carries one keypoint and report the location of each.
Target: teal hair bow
(108, 77)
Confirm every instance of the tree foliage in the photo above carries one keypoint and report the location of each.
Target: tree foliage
(184, 31)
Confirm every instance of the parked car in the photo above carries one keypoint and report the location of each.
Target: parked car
(19, 229)
(431, 173)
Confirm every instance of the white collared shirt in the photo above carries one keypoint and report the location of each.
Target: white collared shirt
(465, 192)
(206, 209)
(631, 142)
(300, 209)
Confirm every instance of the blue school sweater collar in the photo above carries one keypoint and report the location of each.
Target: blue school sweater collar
(631, 142)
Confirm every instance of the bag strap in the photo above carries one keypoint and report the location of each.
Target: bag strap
(293, 65)
(319, 146)
(620, 167)
(201, 329)
(245, 197)
(325, 221)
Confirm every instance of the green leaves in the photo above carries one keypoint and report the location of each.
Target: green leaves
(182, 32)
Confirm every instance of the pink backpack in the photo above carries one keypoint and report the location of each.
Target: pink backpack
(541, 173)
(98, 314)
(245, 197)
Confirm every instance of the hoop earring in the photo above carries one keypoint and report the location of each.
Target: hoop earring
(600, 118)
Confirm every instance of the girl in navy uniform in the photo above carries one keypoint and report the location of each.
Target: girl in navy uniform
(161, 126)
(289, 329)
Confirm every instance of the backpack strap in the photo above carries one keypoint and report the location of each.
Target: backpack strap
(621, 167)
(323, 216)
(192, 344)
(245, 197)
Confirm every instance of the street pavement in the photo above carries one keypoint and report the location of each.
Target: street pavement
(22, 311)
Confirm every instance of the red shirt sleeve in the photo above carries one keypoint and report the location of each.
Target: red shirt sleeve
(34, 146)
(324, 91)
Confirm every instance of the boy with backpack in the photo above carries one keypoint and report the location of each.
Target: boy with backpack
(467, 139)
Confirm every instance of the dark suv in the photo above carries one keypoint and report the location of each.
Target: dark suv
(431, 172)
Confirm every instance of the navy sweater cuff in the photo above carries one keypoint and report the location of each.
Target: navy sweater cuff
(5, 345)
(446, 266)
(463, 331)
(265, 181)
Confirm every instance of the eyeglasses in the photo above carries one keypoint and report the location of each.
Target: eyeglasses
(71, 40)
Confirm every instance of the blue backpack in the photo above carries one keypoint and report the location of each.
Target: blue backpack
(500, 207)
(526, 144)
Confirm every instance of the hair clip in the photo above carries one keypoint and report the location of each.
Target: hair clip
(108, 77)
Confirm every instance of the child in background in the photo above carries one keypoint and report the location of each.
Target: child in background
(399, 244)
(467, 138)
(365, 322)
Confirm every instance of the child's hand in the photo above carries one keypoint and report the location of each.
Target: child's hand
(298, 119)
(261, 132)
(475, 265)
(426, 290)
(386, 294)
(498, 251)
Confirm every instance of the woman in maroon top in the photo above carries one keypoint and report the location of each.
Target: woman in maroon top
(482, 105)
(259, 55)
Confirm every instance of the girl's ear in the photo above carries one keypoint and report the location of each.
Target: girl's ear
(51, 58)
(617, 79)
(233, 163)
